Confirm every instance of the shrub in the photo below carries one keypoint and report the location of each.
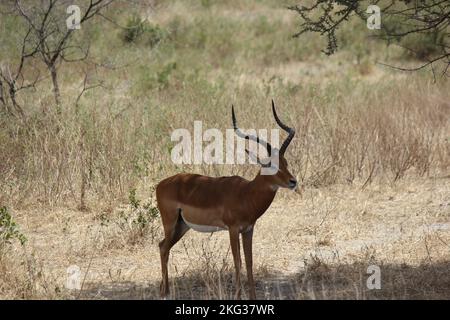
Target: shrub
(142, 30)
(153, 34)
(163, 75)
(136, 222)
(134, 202)
(9, 229)
(134, 29)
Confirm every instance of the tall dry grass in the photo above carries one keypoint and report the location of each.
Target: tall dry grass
(348, 133)
(356, 123)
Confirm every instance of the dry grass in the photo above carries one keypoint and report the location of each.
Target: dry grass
(314, 246)
(347, 133)
(372, 152)
(352, 127)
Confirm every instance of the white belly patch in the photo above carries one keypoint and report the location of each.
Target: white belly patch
(202, 228)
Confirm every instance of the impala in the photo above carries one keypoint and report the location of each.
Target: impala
(209, 204)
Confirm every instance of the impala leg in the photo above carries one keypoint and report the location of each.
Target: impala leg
(164, 252)
(247, 238)
(172, 236)
(234, 242)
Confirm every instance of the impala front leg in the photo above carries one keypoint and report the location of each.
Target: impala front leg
(234, 242)
(247, 243)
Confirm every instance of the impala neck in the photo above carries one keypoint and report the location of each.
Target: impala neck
(262, 193)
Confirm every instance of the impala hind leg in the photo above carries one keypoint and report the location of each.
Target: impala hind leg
(234, 242)
(247, 238)
(173, 234)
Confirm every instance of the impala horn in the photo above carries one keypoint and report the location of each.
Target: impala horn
(249, 136)
(290, 131)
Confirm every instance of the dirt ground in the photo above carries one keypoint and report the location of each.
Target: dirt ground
(314, 245)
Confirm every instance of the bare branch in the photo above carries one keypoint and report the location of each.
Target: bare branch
(403, 18)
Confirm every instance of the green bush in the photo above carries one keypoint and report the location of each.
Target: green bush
(134, 29)
(9, 230)
(134, 202)
(138, 221)
(206, 3)
(138, 30)
(163, 75)
(153, 34)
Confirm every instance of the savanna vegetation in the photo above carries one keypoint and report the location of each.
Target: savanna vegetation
(85, 125)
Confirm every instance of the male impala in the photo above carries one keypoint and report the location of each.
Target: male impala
(208, 204)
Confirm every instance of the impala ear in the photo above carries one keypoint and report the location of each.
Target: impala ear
(255, 159)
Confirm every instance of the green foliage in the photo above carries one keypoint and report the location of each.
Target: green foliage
(134, 202)
(158, 79)
(152, 211)
(163, 75)
(134, 29)
(138, 30)
(139, 221)
(206, 3)
(154, 34)
(9, 229)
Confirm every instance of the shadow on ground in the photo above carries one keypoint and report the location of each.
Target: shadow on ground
(316, 281)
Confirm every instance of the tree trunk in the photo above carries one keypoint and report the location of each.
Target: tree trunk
(12, 96)
(56, 91)
(2, 96)
(3, 100)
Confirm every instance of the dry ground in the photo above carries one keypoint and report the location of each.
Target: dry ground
(314, 245)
